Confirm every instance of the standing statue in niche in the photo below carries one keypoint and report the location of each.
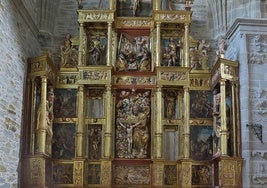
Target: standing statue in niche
(49, 118)
(171, 56)
(135, 6)
(96, 48)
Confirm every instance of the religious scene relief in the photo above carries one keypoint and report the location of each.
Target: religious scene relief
(133, 124)
(63, 146)
(65, 103)
(133, 53)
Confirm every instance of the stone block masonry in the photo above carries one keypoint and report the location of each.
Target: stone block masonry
(17, 43)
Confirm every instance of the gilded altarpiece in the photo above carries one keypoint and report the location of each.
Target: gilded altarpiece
(132, 102)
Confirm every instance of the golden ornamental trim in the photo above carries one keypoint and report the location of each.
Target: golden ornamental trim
(95, 16)
(138, 22)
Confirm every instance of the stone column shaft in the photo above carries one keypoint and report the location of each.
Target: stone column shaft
(158, 50)
(234, 115)
(159, 129)
(186, 123)
(108, 124)
(80, 127)
(82, 45)
(41, 132)
(224, 130)
(109, 47)
(186, 46)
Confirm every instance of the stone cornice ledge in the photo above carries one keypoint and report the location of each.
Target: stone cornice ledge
(245, 22)
(26, 17)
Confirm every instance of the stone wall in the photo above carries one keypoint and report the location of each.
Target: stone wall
(17, 43)
(247, 40)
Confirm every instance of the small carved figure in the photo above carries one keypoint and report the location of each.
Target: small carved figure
(80, 6)
(69, 55)
(129, 130)
(221, 49)
(171, 56)
(204, 47)
(135, 5)
(49, 118)
(97, 49)
(188, 4)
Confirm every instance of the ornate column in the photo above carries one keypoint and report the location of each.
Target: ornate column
(80, 127)
(108, 124)
(158, 50)
(41, 117)
(224, 130)
(157, 5)
(109, 43)
(186, 124)
(186, 46)
(233, 115)
(33, 111)
(237, 118)
(82, 45)
(159, 129)
(112, 4)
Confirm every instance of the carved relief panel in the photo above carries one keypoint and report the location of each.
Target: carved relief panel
(132, 132)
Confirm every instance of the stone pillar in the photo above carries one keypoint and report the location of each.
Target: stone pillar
(186, 123)
(186, 46)
(108, 124)
(159, 129)
(80, 127)
(158, 50)
(82, 46)
(109, 43)
(238, 123)
(224, 130)
(32, 120)
(233, 115)
(157, 4)
(112, 4)
(41, 118)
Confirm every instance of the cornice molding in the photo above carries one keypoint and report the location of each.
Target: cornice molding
(249, 22)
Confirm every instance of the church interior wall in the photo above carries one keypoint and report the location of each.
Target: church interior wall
(17, 43)
(248, 43)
